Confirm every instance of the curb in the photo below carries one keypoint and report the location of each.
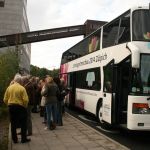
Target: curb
(9, 138)
(124, 147)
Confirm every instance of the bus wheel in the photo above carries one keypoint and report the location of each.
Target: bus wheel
(100, 112)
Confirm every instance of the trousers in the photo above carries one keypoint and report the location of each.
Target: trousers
(18, 118)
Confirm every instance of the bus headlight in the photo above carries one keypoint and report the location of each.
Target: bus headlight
(140, 108)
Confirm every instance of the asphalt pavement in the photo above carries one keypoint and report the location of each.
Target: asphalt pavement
(73, 135)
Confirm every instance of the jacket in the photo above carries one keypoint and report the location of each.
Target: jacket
(31, 92)
(50, 92)
(16, 94)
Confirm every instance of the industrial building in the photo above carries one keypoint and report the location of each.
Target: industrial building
(13, 19)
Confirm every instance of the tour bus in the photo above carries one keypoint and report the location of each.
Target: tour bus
(108, 72)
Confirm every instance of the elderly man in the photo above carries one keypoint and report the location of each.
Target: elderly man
(17, 100)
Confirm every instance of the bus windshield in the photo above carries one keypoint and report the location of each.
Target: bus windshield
(141, 25)
(141, 77)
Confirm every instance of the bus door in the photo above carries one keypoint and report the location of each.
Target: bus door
(108, 92)
(122, 90)
(72, 87)
(116, 89)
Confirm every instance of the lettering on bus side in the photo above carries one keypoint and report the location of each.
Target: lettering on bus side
(98, 58)
(101, 57)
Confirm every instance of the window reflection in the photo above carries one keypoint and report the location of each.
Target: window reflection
(141, 25)
(141, 77)
(89, 79)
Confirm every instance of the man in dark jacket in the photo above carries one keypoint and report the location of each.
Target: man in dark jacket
(31, 94)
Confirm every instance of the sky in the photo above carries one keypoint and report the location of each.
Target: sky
(48, 14)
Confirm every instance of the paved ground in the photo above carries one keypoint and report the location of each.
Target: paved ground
(74, 135)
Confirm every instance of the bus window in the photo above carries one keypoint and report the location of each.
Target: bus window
(89, 79)
(108, 76)
(124, 31)
(94, 41)
(136, 81)
(141, 25)
(110, 32)
(141, 77)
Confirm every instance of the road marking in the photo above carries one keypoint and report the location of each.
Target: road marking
(109, 131)
(82, 117)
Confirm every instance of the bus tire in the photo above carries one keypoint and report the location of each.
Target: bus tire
(99, 114)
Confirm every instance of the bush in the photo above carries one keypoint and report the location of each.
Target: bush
(3, 112)
(4, 127)
(8, 68)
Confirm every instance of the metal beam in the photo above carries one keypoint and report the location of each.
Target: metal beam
(41, 35)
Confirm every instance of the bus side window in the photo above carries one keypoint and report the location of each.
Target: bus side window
(90, 78)
(110, 33)
(124, 33)
(94, 41)
(108, 87)
(96, 85)
(108, 77)
(94, 44)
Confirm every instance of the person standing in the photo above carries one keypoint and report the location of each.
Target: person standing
(64, 92)
(17, 100)
(34, 81)
(50, 92)
(42, 104)
(31, 95)
(59, 102)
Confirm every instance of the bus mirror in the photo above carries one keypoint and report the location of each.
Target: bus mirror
(135, 59)
(135, 55)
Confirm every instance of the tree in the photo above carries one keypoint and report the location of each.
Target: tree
(42, 72)
(8, 68)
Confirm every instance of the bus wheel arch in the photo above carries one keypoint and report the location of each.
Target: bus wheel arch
(99, 111)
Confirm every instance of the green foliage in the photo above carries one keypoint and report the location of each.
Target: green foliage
(3, 111)
(8, 68)
(4, 127)
(42, 72)
(55, 73)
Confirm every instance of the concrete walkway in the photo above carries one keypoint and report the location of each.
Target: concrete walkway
(74, 135)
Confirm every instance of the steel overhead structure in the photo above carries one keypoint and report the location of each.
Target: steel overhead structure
(41, 35)
(50, 34)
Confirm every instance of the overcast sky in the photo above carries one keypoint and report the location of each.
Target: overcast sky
(47, 14)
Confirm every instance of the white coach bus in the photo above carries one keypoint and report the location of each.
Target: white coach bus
(108, 72)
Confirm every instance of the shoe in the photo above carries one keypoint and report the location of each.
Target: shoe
(44, 122)
(25, 141)
(52, 126)
(46, 128)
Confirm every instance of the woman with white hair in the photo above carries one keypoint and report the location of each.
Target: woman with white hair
(17, 100)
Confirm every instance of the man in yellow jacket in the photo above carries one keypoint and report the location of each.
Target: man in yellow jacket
(17, 100)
